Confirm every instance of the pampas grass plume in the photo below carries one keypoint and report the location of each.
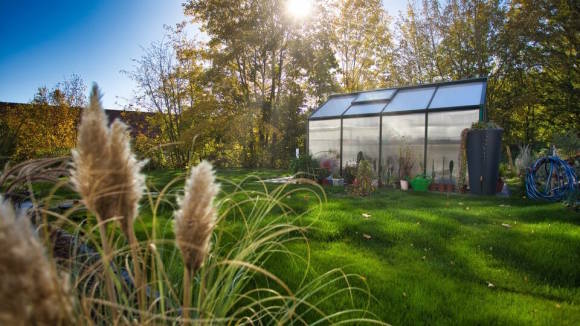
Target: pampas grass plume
(31, 293)
(196, 217)
(105, 171)
(90, 158)
(126, 170)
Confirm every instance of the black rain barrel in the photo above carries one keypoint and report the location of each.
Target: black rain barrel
(483, 155)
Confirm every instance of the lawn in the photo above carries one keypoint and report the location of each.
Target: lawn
(431, 258)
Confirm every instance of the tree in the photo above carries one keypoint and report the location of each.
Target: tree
(265, 56)
(419, 53)
(362, 44)
(162, 89)
(535, 89)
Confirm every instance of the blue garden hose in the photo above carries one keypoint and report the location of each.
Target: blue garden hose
(559, 179)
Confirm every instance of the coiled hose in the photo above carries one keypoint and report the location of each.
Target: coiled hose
(559, 179)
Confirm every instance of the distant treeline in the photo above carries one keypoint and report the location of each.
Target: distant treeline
(43, 130)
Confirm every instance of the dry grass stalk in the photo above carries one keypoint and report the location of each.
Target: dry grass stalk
(90, 175)
(31, 293)
(105, 171)
(194, 224)
(196, 217)
(108, 177)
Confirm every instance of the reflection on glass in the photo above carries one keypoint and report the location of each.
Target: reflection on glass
(457, 95)
(361, 135)
(365, 108)
(444, 141)
(399, 132)
(384, 94)
(324, 136)
(334, 107)
(324, 141)
(411, 99)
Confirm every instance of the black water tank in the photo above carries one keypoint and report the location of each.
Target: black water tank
(483, 155)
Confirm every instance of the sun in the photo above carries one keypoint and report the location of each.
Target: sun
(299, 9)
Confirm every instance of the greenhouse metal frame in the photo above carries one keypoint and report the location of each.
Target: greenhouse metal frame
(427, 119)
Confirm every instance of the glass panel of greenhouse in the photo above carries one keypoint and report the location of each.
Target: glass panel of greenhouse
(427, 119)
(368, 108)
(411, 99)
(380, 95)
(324, 137)
(400, 132)
(335, 106)
(458, 95)
(444, 141)
(360, 135)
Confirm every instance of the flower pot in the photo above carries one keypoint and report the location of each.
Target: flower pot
(404, 185)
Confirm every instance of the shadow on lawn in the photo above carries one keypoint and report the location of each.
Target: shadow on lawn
(544, 257)
(547, 258)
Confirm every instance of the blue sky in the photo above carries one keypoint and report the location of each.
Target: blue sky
(44, 42)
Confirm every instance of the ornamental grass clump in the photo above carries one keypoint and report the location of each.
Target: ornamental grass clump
(204, 266)
(196, 217)
(194, 223)
(31, 291)
(105, 172)
(107, 176)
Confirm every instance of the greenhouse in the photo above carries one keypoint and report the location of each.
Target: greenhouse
(425, 121)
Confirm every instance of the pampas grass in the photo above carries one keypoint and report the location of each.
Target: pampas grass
(107, 176)
(31, 292)
(196, 217)
(174, 276)
(105, 171)
(194, 223)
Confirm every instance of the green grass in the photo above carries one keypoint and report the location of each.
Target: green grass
(430, 258)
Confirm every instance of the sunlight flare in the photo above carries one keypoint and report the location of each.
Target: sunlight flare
(299, 9)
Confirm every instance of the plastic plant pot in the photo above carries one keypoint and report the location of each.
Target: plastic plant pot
(404, 185)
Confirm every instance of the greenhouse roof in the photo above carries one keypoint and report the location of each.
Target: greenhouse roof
(461, 94)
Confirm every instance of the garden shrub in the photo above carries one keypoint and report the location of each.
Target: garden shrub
(8, 143)
(304, 164)
(363, 184)
(567, 143)
(406, 162)
(148, 148)
(349, 173)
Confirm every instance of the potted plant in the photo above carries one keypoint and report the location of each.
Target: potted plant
(443, 182)
(387, 173)
(322, 175)
(483, 154)
(405, 166)
(434, 186)
(363, 184)
(450, 185)
(349, 173)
